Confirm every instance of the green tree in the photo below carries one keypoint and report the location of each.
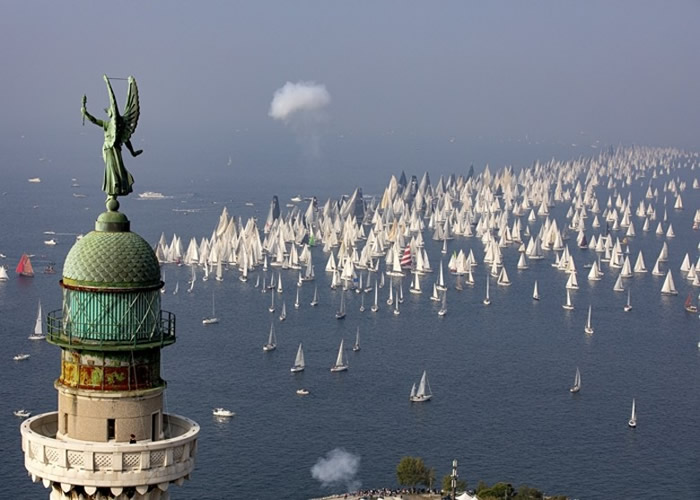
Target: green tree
(527, 493)
(447, 484)
(411, 472)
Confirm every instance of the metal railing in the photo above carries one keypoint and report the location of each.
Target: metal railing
(101, 335)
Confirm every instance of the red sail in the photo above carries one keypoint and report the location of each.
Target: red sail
(406, 259)
(24, 268)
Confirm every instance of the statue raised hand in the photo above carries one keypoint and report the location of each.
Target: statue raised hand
(118, 130)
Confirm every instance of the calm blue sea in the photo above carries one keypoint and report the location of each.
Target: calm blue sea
(500, 375)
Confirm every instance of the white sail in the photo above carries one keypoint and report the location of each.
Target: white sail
(568, 305)
(271, 340)
(422, 392)
(340, 363)
(589, 327)
(669, 288)
(38, 326)
(536, 292)
(299, 363)
(577, 382)
(3, 274)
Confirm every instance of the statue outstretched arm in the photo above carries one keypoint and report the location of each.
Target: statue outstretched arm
(128, 145)
(87, 115)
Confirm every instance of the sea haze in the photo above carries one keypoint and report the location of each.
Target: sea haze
(500, 375)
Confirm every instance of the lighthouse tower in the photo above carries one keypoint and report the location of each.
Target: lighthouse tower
(110, 438)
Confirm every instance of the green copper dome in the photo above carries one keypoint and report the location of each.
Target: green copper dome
(111, 259)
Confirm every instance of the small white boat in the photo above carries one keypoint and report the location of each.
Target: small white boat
(535, 292)
(487, 299)
(38, 326)
(299, 360)
(222, 412)
(340, 313)
(443, 308)
(3, 274)
(356, 346)
(314, 301)
(212, 319)
(577, 382)
(283, 313)
(627, 307)
(22, 413)
(340, 363)
(633, 417)
(21, 357)
(50, 242)
(302, 392)
(423, 392)
(271, 344)
(589, 327)
(568, 305)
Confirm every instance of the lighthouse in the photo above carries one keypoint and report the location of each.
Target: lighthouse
(111, 437)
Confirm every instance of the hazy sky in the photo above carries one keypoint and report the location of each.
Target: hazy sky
(398, 72)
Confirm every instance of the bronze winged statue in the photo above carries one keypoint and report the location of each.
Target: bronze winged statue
(118, 130)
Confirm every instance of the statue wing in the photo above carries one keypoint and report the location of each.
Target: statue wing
(111, 130)
(132, 110)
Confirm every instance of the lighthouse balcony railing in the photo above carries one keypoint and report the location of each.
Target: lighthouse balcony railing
(109, 464)
(104, 334)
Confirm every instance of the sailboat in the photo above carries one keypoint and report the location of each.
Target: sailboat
(38, 326)
(219, 271)
(375, 306)
(415, 286)
(212, 319)
(423, 392)
(435, 296)
(192, 280)
(283, 313)
(568, 305)
(24, 267)
(443, 308)
(340, 313)
(299, 364)
(589, 327)
(314, 301)
(3, 274)
(487, 299)
(633, 417)
(535, 292)
(272, 302)
(628, 306)
(577, 382)
(356, 346)
(271, 340)
(669, 288)
(340, 363)
(441, 280)
(689, 306)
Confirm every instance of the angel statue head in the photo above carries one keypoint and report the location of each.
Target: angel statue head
(118, 130)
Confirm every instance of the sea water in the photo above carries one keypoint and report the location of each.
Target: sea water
(500, 375)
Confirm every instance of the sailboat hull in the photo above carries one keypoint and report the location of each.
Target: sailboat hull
(420, 399)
